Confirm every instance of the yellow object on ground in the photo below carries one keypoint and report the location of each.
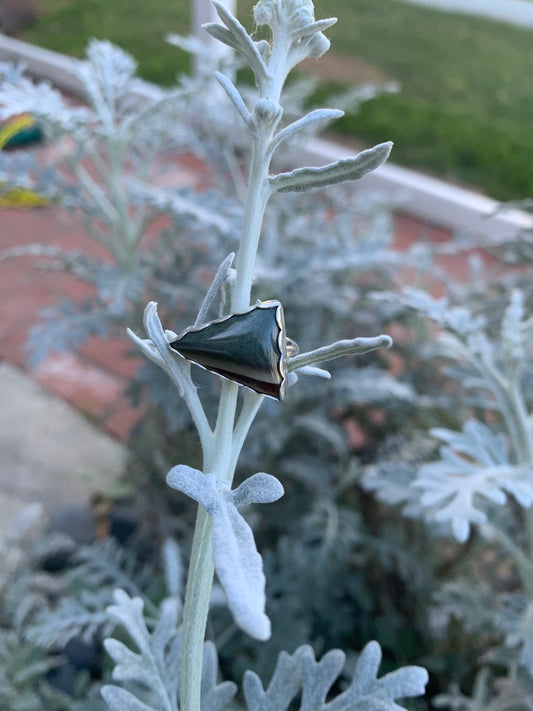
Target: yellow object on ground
(21, 123)
(22, 197)
(19, 197)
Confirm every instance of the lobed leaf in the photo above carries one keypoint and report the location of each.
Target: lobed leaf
(473, 468)
(284, 685)
(154, 672)
(367, 691)
(121, 700)
(214, 697)
(301, 673)
(319, 677)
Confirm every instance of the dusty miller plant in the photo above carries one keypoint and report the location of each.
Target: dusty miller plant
(106, 151)
(479, 490)
(168, 661)
(24, 587)
(293, 254)
(54, 592)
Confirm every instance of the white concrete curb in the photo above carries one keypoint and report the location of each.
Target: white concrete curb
(432, 200)
(59, 69)
(515, 12)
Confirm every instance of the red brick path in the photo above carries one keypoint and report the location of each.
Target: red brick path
(95, 378)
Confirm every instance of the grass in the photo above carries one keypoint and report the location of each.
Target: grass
(466, 107)
(138, 26)
(465, 112)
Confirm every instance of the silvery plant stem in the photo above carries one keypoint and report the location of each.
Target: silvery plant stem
(223, 458)
(295, 36)
(257, 197)
(517, 419)
(197, 594)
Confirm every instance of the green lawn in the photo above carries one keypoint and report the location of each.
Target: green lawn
(138, 26)
(466, 107)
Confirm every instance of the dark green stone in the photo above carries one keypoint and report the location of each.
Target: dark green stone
(248, 348)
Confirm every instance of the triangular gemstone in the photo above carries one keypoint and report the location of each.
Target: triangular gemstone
(248, 348)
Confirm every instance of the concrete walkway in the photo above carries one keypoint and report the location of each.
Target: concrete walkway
(515, 12)
(62, 424)
(49, 452)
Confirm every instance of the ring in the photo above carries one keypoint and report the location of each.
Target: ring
(250, 348)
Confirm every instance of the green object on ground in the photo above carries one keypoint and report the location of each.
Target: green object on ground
(18, 131)
(32, 134)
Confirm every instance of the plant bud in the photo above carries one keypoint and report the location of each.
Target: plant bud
(267, 111)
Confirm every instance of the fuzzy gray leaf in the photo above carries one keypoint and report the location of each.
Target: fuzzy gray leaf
(119, 699)
(129, 666)
(157, 348)
(313, 28)
(318, 677)
(107, 564)
(195, 484)
(164, 633)
(147, 347)
(391, 482)
(284, 685)
(221, 34)
(64, 327)
(218, 280)
(173, 567)
(128, 612)
(106, 77)
(236, 36)
(457, 318)
(180, 202)
(473, 468)
(300, 672)
(372, 385)
(516, 330)
(368, 692)
(80, 617)
(354, 346)
(317, 116)
(234, 96)
(518, 622)
(260, 488)
(312, 370)
(303, 179)
(42, 101)
(156, 667)
(214, 697)
(238, 564)
(330, 432)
